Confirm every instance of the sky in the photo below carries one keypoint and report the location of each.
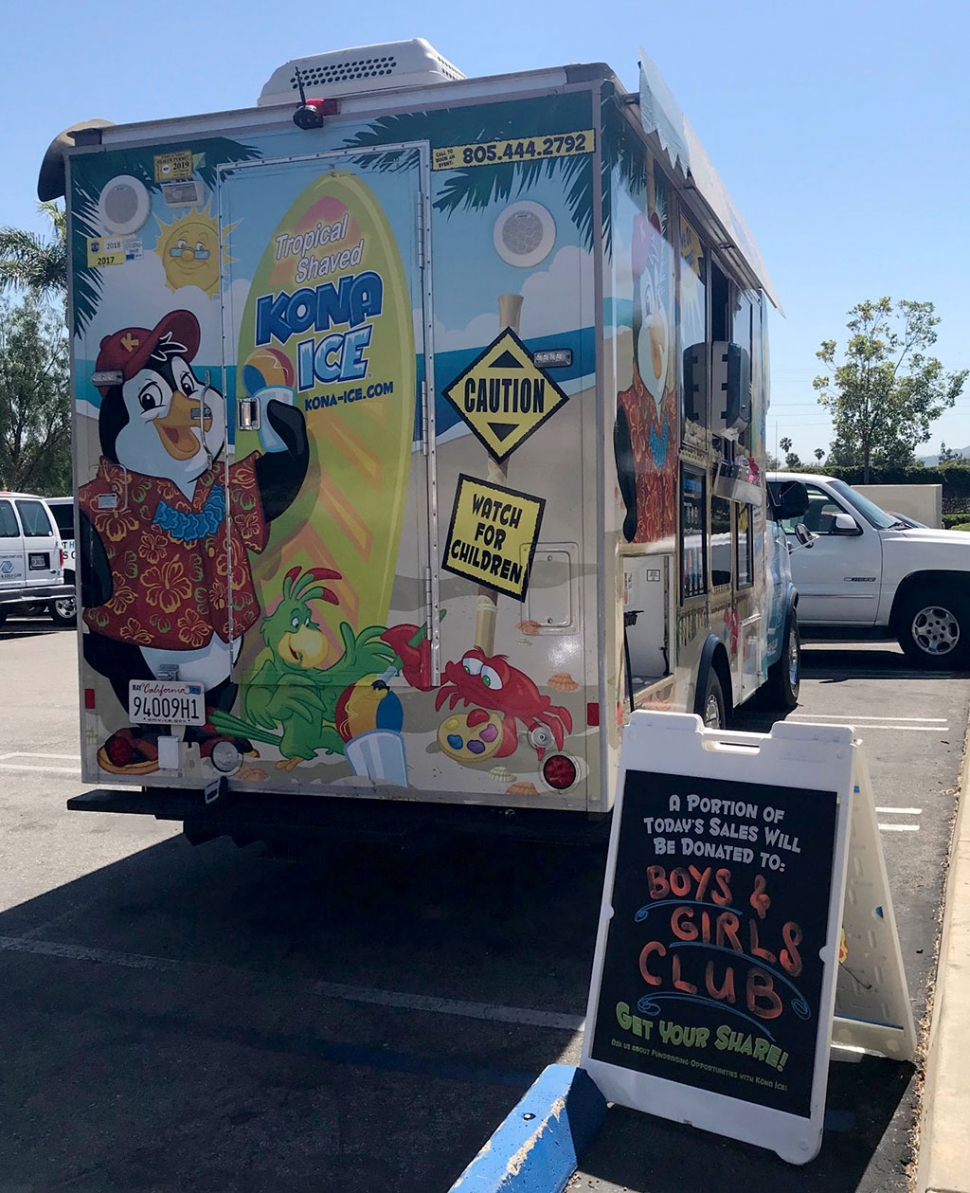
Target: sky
(842, 128)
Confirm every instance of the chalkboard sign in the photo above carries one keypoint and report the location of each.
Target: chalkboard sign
(712, 975)
(714, 979)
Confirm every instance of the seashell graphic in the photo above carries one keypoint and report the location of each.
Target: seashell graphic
(528, 627)
(251, 774)
(522, 789)
(562, 681)
(500, 774)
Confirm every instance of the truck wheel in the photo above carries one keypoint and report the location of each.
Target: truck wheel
(785, 674)
(712, 710)
(63, 612)
(934, 629)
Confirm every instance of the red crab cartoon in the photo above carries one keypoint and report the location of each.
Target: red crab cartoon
(490, 682)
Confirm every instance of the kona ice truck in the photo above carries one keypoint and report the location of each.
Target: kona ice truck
(420, 436)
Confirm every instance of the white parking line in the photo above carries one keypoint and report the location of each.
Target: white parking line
(56, 757)
(864, 717)
(44, 770)
(385, 998)
(903, 811)
(899, 828)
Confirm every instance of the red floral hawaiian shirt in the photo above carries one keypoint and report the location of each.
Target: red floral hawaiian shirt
(171, 570)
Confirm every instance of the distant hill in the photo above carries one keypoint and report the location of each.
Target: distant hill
(932, 461)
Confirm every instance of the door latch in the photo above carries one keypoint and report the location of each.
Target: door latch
(247, 418)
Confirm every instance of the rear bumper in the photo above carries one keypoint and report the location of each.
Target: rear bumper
(35, 596)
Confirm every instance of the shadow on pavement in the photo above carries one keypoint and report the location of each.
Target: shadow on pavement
(164, 1027)
(23, 627)
(636, 1152)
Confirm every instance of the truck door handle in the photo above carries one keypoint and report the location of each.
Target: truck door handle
(247, 417)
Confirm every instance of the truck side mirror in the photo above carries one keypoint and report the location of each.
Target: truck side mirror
(804, 535)
(697, 384)
(730, 387)
(845, 524)
(787, 500)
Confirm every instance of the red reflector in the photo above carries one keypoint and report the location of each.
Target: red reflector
(559, 772)
(593, 714)
(89, 698)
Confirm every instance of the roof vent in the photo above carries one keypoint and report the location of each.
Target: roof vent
(352, 72)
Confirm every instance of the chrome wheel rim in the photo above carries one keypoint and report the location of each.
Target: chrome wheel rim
(935, 631)
(792, 659)
(66, 608)
(712, 712)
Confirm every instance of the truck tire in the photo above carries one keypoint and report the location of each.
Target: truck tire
(934, 629)
(63, 612)
(785, 674)
(712, 710)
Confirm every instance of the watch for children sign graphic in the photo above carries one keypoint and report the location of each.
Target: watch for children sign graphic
(493, 535)
(503, 396)
(712, 974)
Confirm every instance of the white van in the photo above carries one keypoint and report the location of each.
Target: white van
(31, 569)
(64, 609)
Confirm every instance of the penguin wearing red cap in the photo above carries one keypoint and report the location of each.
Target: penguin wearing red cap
(166, 586)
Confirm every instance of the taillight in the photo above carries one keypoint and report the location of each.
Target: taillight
(63, 558)
(559, 772)
(89, 699)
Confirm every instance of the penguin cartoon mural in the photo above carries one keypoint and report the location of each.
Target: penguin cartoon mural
(166, 582)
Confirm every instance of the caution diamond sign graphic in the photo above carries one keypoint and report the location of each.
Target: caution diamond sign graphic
(503, 396)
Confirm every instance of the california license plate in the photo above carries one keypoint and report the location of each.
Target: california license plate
(165, 702)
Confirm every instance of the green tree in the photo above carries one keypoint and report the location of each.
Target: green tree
(819, 454)
(948, 453)
(32, 263)
(35, 407)
(886, 392)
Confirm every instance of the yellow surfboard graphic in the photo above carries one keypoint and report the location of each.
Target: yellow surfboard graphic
(328, 324)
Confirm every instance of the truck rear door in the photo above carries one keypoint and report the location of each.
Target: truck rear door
(13, 561)
(42, 549)
(327, 313)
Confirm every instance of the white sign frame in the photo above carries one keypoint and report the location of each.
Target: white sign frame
(814, 757)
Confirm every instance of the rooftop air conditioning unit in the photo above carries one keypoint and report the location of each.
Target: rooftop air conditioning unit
(351, 72)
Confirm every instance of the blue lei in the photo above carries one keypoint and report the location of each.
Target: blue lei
(190, 527)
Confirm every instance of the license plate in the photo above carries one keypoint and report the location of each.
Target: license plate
(165, 702)
(40, 562)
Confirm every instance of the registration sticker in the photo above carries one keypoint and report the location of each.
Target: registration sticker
(165, 702)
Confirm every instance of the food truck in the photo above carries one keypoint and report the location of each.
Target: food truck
(419, 437)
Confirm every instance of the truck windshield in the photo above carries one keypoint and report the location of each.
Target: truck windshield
(871, 512)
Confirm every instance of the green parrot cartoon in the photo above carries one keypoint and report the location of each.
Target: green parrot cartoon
(292, 700)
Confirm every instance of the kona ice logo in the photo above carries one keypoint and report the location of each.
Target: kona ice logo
(328, 355)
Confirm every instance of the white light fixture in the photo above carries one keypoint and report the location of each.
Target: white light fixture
(524, 234)
(124, 205)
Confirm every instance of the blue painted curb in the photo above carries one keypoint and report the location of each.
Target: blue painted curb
(538, 1147)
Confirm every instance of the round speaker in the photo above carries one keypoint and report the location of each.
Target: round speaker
(124, 205)
(524, 233)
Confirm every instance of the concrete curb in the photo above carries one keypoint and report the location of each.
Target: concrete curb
(943, 1164)
(538, 1146)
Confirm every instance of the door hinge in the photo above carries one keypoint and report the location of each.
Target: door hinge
(424, 417)
(420, 235)
(428, 598)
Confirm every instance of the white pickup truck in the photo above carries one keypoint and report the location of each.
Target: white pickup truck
(865, 570)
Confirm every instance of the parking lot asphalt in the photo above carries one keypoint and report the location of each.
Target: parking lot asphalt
(361, 1017)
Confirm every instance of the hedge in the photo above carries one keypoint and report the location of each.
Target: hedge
(953, 476)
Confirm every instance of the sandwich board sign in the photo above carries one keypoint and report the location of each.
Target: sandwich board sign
(713, 999)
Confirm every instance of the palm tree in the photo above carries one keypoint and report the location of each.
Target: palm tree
(32, 263)
(474, 189)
